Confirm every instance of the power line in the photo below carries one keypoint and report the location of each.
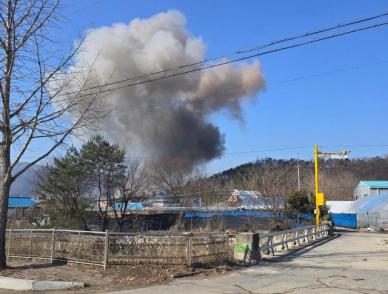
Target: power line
(323, 30)
(220, 63)
(145, 156)
(329, 72)
(208, 66)
(214, 65)
(227, 153)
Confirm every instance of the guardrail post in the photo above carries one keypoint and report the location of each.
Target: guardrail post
(52, 255)
(272, 249)
(189, 249)
(287, 240)
(306, 237)
(267, 245)
(106, 249)
(9, 242)
(284, 240)
(297, 237)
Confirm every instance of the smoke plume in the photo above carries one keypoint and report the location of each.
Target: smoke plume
(167, 117)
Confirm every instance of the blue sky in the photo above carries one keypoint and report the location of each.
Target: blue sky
(343, 108)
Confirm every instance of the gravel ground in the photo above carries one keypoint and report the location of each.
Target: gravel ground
(96, 279)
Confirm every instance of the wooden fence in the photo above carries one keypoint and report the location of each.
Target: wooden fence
(109, 248)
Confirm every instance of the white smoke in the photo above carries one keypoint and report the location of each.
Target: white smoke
(167, 117)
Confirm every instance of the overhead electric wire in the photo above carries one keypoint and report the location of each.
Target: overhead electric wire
(233, 60)
(227, 153)
(145, 156)
(344, 69)
(214, 65)
(323, 30)
(223, 62)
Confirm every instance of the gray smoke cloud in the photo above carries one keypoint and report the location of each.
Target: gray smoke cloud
(167, 117)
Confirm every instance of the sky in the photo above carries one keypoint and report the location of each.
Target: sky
(332, 93)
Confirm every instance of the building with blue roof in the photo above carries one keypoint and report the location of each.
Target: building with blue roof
(18, 206)
(370, 188)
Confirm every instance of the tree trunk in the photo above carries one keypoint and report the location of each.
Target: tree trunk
(5, 185)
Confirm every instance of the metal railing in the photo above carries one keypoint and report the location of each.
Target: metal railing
(110, 248)
(268, 243)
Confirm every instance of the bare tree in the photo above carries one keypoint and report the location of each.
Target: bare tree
(275, 184)
(336, 184)
(170, 176)
(35, 100)
(134, 184)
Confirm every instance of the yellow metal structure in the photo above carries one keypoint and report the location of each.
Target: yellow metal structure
(320, 199)
(317, 193)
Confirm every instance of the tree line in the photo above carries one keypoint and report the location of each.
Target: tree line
(337, 177)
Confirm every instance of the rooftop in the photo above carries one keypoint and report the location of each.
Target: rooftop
(374, 184)
(21, 202)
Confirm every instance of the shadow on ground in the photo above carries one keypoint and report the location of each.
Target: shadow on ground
(289, 256)
(38, 265)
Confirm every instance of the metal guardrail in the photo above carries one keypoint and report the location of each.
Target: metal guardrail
(269, 242)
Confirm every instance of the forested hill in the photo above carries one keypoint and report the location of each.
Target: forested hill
(337, 177)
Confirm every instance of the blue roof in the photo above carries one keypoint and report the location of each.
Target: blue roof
(22, 202)
(374, 184)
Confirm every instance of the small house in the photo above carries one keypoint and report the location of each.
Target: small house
(19, 207)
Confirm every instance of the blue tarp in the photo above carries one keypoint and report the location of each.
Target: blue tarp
(348, 220)
(236, 212)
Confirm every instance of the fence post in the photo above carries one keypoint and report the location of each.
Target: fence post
(52, 257)
(30, 244)
(189, 249)
(78, 245)
(255, 253)
(9, 242)
(106, 249)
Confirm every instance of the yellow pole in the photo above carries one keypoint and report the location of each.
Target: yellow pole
(318, 213)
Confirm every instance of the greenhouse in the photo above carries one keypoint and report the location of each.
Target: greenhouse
(368, 212)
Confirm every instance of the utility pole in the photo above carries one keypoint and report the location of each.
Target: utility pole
(320, 197)
(298, 169)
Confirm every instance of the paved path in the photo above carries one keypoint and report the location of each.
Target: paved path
(351, 263)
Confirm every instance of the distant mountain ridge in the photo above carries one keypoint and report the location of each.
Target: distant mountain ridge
(25, 184)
